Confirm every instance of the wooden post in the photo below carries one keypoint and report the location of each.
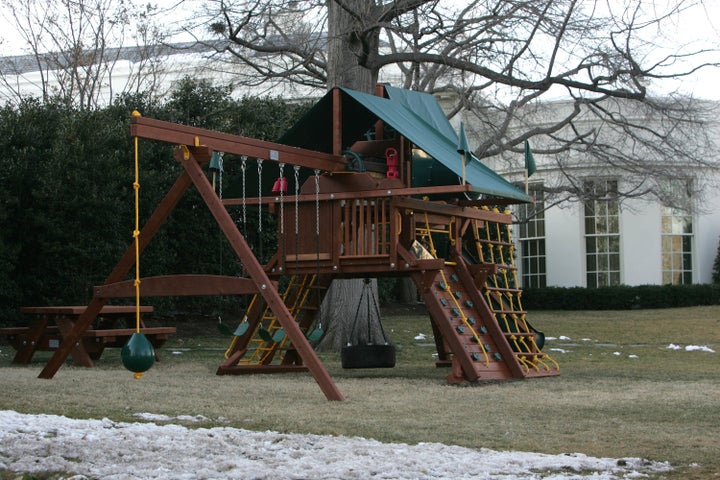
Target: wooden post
(337, 121)
(121, 269)
(257, 274)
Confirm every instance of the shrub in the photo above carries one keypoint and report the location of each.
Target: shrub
(621, 297)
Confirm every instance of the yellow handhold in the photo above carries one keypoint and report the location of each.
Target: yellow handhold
(137, 375)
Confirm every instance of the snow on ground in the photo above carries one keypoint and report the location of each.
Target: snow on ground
(691, 348)
(110, 450)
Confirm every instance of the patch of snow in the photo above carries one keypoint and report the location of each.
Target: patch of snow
(154, 417)
(420, 336)
(633, 356)
(699, 348)
(563, 337)
(559, 350)
(550, 338)
(691, 348)
(108, 449)
(617, 354)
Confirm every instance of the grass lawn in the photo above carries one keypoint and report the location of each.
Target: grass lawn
(622, 391)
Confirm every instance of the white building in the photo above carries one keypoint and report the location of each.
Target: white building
(614, 240)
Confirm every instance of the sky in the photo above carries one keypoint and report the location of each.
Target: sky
(697, 26)
(159, 447)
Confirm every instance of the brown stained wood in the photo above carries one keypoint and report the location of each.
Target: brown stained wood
(488, 319)
(122, 268)
(439, 318)
(153, 129)
(337, 122)
(262, 281)
(370, 192)
(107, 310)
(179, 285)
(480, 273)
(449, 210)
(306, 257)
(79, 354)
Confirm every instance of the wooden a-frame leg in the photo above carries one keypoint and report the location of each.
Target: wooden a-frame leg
(121, 269)
(257, 274)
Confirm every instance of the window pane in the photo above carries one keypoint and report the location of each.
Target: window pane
(603, 244)
(532, 243)
(687, 261)
(602, 229)
(589, 225)
(591, 263)
(687, 243)
(613, 225)
(603, 263)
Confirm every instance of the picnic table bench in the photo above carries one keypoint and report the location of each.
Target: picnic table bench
(47, 326)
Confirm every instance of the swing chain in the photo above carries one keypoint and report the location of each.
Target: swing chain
(282, 193)
(297, 209)
(220, 175)
(259, 168)
(317, 202)
(243, 166)
(297, 198)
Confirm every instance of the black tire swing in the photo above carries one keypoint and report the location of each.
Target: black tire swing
(367, 354)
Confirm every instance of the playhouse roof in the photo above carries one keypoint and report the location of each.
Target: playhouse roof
(419, 118)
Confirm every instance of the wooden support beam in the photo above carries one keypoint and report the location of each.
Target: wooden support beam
(259, 277)
(337, 121)
(235, 144)
(359, 194)
(122, 268)
(449, 210)
(179, 285)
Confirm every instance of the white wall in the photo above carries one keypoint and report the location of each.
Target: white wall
(640, 243)
(707, 236)
(564, 248)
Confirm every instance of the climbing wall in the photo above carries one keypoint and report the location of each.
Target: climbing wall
(262, 345)
(475, 306)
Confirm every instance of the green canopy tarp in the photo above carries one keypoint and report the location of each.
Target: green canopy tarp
(420, 119)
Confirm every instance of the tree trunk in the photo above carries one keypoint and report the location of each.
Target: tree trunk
(350, 315)
(349, 48)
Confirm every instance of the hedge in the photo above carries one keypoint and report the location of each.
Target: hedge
(621, 297)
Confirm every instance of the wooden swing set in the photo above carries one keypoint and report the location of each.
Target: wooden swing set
(378, 197)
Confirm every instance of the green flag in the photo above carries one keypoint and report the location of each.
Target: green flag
(463, 148)
(529, 160)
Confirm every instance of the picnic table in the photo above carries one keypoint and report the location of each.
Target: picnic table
(48, 325)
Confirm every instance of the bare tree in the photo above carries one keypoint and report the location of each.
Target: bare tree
(74, 47)
(501, 60)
